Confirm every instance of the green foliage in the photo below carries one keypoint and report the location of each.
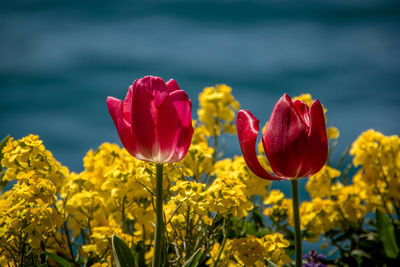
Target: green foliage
(60, 260)
(194, 260)
(269, 263)
(386, 234)
(122, 253)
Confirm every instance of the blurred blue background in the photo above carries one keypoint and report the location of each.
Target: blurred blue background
(61, 59)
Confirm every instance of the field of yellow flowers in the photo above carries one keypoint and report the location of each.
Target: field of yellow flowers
(50, 216)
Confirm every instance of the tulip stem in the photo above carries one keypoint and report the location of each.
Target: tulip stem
(159, 217)
(296, 220)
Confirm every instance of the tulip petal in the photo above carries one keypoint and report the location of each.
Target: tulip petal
(144, 114)
(183, 106)
(167, 131)
(154, 86)
(127, 105)
(172, 85)
(183, 145)
(303, 111)
(247, 128)
(317, 148)
(115, 107)
(285, 139)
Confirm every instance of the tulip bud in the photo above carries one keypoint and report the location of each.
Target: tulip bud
(295, 140)
(154, 122)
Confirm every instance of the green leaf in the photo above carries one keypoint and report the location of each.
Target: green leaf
(2, 145)
(386, 234)
(4, 142)
(251, 229)
(257, 218)
(269, 263)
(139, 253)
(194, 260)
(360, 253)
(2, 172)
(60, 260)
(122, 253)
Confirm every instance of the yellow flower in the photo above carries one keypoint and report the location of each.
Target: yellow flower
(251, 251)
(317, 217)
(226, 196)
(274, 197)
(27, 159)
(238, 169)
(275, 244)
(332, 132)
(281, 209)
(224, 259)
(378, 179)
(199, 159)
(248, 251)
(217, 110)
(27, 215)
(319, 185)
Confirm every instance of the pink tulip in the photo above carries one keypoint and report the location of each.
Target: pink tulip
(154, 122)
(295, 140)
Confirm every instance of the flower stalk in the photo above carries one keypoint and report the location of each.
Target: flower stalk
(296, 220)
(159, 217)
(221, 248)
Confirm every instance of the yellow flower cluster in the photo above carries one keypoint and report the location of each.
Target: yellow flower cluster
(251, 251)
(187, 208)
(233, 187)
(238, 170)
(376, 185)
(198, 162)
(27, 214)
(378, 179)
(319, 185)
(317, 216)
(112, 194)
(279, 209)
(217, 110)
(28, 160)
(333, 204)
(226, 196)
(350, 206)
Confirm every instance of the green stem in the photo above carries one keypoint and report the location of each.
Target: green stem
(221, 248)
(215, 154)
(159, 217)
(66, 232)
(296, 220)
(23, 254)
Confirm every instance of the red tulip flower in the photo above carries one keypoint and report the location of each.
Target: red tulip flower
(154, 122)
(295, 140)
